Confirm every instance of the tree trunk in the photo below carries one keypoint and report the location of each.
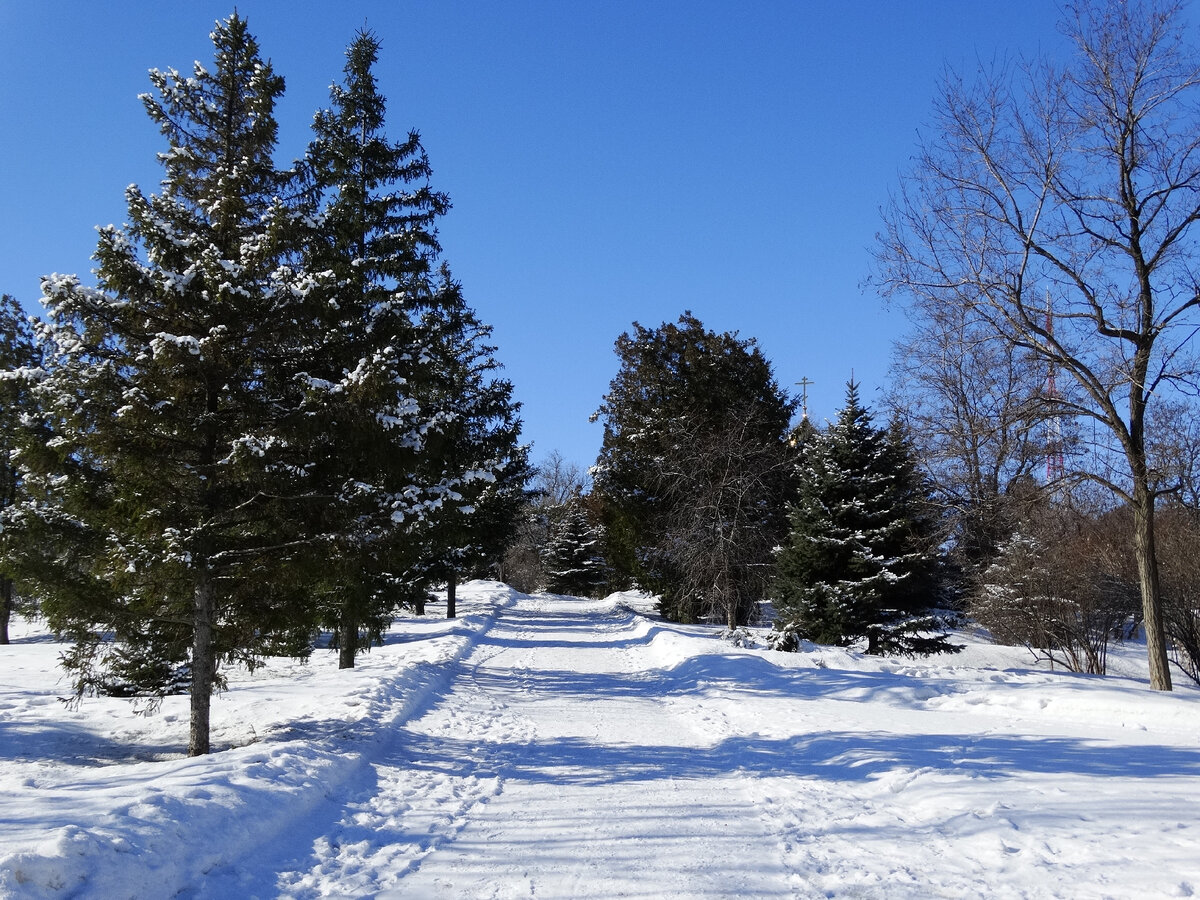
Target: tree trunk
(203, 665)
(419, 602)
(347, 641)
(1147, 565)
(732, 602)
(7, 498)
(6, 607)
(451, 585)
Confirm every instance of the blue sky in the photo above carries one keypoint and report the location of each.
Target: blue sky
(608, 161)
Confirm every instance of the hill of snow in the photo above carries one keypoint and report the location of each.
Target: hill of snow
(543, 746)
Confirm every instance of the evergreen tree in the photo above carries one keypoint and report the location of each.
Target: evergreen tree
(476, 462)
(573, 557)
(366, 370)
(554, 482)
(691, 475)
(861, 561)
(169, 392)
(18, 355)
(419, 462)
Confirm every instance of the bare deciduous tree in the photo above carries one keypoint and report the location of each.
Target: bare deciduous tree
(1083, 182)
(973, 400)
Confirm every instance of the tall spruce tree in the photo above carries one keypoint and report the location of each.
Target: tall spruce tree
(476, 461)
(367, 373)
(169, 393)
(861, 561)
(18, 356)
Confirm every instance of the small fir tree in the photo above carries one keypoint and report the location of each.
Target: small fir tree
(553, 483)
(861, 561)
(573, 557)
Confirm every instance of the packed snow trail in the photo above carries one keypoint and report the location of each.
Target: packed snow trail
(582, 750)
(551, 766)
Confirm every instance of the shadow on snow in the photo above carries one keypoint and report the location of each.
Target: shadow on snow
(834, 756)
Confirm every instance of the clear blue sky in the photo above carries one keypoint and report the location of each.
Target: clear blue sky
(608, 161)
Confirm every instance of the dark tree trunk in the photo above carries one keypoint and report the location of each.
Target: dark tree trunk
(347, 641)
(451, 586)
(203, 666)
(1147, 565)
(8, 483)
(1143, 500)
(732, 602)
(6, 607)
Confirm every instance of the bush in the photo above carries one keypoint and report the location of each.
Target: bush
(1061, 587)
(1178, 537)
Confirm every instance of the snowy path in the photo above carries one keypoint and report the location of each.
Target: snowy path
(543, 747)
(552, 766)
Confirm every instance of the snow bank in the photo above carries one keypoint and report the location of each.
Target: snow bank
(101, 801)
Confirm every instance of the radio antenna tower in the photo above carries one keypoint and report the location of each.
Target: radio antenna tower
(1055, 466)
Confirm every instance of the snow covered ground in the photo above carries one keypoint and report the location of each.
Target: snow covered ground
(544, 747)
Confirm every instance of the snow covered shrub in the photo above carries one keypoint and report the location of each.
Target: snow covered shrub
(739, 637)
(785, 641)
(1183, 632)
(1064, 591)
